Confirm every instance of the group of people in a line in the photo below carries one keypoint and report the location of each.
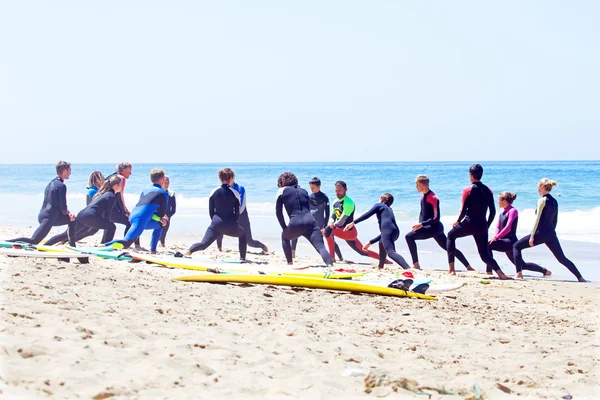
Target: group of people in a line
(105, 208)
(309, 216)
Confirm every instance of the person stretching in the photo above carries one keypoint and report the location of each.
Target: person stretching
(54, 211)
(476, 200)
(544, 231)
(224, 211)
(149, 214)
(343, 214)
(171, 210)
(121, 214)
(505, 235)
(96, 215)
(429, 225)
(389, 231)
(320, 209)
(243, 220)
(301, 222)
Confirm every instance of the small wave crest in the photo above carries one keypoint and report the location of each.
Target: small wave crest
(578, 225)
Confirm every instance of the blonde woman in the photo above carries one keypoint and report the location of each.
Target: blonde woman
(544, 231)
(95, 182)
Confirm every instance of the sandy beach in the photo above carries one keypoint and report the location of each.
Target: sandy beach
(126, 330)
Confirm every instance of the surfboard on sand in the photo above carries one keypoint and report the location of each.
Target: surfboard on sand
(197, 265)
(305, 282)
(103, 252)
(41, 254)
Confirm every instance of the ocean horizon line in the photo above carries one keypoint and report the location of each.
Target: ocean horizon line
(314, 162)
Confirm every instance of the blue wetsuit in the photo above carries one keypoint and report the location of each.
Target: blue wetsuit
(243, 221)
(54, 212)
(151, 207)
(544, 232)
(91, 192)
(301, 222)
(224, 211)
(389, 233)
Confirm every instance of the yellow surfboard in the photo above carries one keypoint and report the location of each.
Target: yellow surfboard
(306, 282)
(196, 265)
(53, 249)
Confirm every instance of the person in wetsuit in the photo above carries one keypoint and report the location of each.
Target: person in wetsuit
(343, 214)
(54, 211)
(224, 211)
(320, 209)
(544, 231)
(301, 221)
(477, 198)
(389, 231)
(429, 225)
(171, 210)
(243, 219)
(505, 235)
(121, 214)
(96, 215)
(95, 182)
(150, 213)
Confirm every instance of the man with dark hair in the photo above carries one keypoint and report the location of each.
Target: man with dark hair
(477, 198)
(121, 214)
(149, 214)
(343, 214)
(224, 211)
(54, 211)
(301, 222)
(320, 210)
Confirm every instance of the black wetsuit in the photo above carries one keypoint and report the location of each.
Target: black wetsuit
(389, 233)
(432, 228)
(320, 210)
(506, 237)
(92, 218)
(243, 220)
(544, 232)
(171, 210)
(476, 200)
(54, 212)
(119, 215)
(224, 210)
(301, 222)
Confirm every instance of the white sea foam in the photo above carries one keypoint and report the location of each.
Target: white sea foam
(578, 225)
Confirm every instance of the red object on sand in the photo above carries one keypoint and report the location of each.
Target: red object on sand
(345, 270)
(408, 274)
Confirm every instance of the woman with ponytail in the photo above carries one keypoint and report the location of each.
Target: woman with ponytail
(96, 215)
(505, 235)
(544, 231)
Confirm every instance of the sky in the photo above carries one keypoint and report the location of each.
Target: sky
(267, 81)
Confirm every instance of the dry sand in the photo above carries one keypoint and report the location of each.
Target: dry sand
(126, 330)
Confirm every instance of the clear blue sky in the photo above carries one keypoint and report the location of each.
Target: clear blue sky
(207, 81)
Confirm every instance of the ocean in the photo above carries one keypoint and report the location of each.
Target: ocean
(578, 191)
